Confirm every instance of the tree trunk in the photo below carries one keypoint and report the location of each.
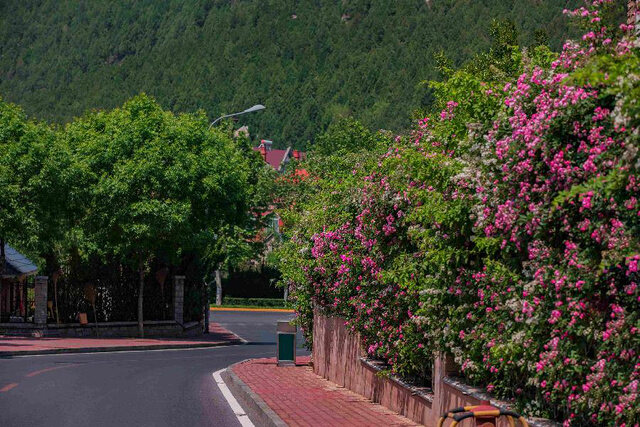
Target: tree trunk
(218, 288)
(141, 299)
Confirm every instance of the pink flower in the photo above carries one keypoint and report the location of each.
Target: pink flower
(555, 316)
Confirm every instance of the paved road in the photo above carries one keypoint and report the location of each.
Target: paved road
(148, 388)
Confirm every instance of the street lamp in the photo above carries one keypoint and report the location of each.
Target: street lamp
(256, 107)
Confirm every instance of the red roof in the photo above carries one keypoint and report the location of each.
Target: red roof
(274, 157)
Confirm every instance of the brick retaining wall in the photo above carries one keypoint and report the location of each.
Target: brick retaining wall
(338, 356)
(159, 328)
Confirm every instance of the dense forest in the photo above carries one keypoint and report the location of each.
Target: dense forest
(309, 62)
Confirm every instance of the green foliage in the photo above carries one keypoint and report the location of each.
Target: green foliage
(156, 182)
(310, 63)
(254, 302)
(503, 230)
(345, 136)
(136, 188)
(37, 208)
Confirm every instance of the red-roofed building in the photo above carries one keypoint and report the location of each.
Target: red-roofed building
(277, 159)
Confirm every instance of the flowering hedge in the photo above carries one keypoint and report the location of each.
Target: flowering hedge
(504, 230)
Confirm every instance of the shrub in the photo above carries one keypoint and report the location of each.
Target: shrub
(256, 302)
(503, 229)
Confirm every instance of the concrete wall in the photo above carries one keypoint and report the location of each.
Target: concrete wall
(339, 357)
(40, 295)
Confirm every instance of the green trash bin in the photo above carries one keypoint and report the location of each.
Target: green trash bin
(286, 343)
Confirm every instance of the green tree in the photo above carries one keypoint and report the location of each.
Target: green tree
(36, 175)
(300, 59)
(159, 184)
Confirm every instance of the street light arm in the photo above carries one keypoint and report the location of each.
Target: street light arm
(257, 107)
(223, 117)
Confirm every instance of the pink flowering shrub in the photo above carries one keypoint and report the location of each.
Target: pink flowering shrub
(507, 235)
(350, 265)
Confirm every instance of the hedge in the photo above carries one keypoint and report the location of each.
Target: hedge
(255, 302)
(503, 229)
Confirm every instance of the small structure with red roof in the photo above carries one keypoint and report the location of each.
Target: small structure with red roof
(277, 159)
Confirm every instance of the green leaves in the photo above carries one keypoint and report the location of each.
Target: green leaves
(135, 182)
(157, 180)
(34, 176)
(223, 56)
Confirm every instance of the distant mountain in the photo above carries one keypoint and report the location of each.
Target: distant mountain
(308, 61)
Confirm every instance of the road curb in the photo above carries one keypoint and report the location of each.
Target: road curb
(6, 354)
(259, 412)
(264, 310)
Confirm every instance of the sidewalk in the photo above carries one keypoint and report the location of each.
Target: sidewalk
(15, 346)
(298, 397)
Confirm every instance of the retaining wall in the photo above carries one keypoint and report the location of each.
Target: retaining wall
(161, 328)
(339, 357)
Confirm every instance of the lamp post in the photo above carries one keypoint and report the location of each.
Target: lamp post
(256, 107)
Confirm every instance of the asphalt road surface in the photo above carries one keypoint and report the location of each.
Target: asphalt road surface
(134, 388)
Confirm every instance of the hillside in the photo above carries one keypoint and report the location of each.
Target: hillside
(307, 61)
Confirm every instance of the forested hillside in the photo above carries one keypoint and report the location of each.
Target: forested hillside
(309, 62)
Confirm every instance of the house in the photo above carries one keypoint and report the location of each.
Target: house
(277, 159)
(15, 280)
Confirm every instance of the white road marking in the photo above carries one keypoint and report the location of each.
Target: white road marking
(228, 328)
(242, 416)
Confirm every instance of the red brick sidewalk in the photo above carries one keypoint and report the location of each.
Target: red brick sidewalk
(13, 345)
(301, 398)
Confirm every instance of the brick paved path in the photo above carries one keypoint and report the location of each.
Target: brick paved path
(301, 398)
(13, 344)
